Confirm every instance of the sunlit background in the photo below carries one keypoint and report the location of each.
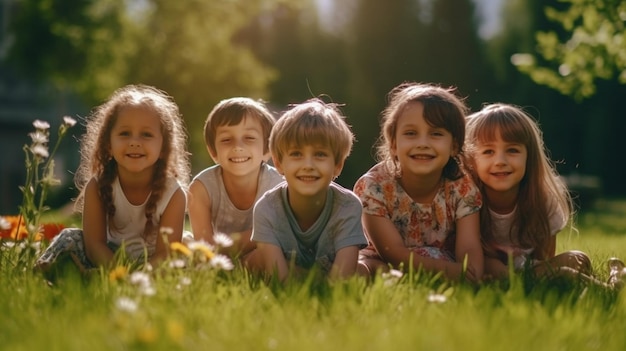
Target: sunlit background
(65, 57)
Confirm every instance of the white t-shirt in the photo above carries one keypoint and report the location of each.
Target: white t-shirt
(502, 226)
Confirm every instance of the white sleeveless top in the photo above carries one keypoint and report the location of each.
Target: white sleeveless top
(128, 224)
(225, 217)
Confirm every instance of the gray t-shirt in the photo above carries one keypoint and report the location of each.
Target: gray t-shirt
(225, 217)
(338, 226)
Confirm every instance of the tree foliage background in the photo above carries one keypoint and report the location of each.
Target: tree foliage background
(563, 60)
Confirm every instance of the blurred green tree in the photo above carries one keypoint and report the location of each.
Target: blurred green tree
(591, 47)
(187, 48)
(77, 45)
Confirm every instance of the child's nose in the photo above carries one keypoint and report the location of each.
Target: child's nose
(500, 158)
(422, 141)
(239, 145)
(308, 161)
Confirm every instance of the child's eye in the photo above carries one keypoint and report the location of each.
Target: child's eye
(437, 132)
(321, 154)
(294, 153)
(251, 138)
(487, 152)
(124, 133)
(146, 135)
(224, 140)
(409, 133)
(513, 150)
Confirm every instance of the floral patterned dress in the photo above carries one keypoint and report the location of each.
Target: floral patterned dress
(427, 229)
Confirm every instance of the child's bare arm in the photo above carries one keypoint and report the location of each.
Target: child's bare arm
(390, 246)
(241, 244)
(345, 263)
(94, 227)
(273, 261)
(173, 218)
(468, 244)
(199, 208)
(494, 268)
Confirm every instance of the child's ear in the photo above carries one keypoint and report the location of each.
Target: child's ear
(339, 168)
(393, 150)
(455, 149)
(278, 165)
(213, 155)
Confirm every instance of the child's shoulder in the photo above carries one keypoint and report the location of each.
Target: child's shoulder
(376, 179)
(344, 195)
(377, 173)
(209, 172)
(270, 171)
(463, 188)
(465, 183)
(272, 197)
(172, 184)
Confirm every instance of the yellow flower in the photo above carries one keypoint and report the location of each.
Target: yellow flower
(203, 247)
(147, 334)
(118, 273)
(175, 331)
(180, 247)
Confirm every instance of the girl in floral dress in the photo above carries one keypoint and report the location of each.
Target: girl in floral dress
(420, 211)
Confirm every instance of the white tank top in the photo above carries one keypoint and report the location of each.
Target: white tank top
(128, 224)
(225, 217)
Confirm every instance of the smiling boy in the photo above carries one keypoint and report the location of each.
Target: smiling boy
(309, 220)
(221, 197)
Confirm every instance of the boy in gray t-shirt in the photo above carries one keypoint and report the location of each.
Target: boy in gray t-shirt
(309, 221)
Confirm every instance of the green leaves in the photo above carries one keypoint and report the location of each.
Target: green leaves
(593, 48)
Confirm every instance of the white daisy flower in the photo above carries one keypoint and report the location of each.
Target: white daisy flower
(40, 151)
(126, 304)
(177, 263)
(4, 224)
(437, 298)
(222, 262)
(38, 137)
(166, 231)
(140, 278)
(223, 240)
(200, 245)
(41, 125)
(69, 121)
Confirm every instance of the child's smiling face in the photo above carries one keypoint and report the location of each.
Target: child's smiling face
(308, 169)
(136, 139)
(421, 149)
(500, 165)
(239, 148)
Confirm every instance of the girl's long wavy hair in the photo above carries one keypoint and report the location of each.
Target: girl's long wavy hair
(97, 161)
(541, 187)
(442, 109)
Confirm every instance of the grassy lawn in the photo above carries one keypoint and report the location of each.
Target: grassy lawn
(208, 309)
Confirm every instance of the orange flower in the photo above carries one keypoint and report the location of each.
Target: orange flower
(50, 230)
(13, 232)
(10, 229)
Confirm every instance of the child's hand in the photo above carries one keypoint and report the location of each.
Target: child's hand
(470, 274)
